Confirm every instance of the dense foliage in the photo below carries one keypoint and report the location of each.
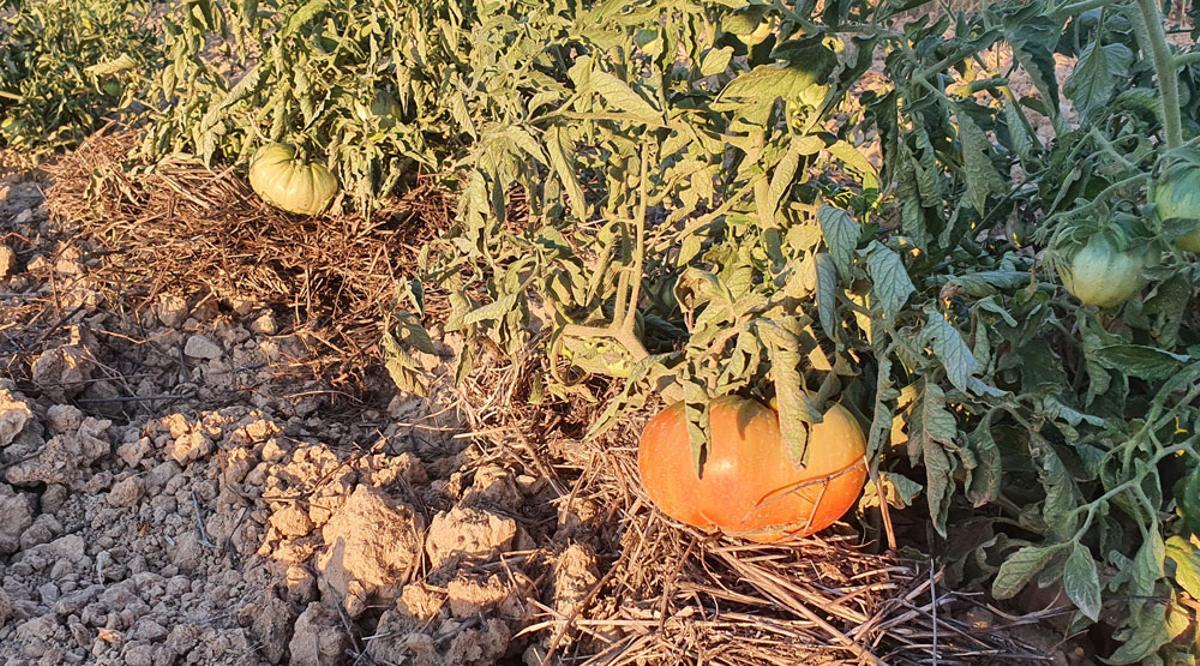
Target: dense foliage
(65, 64)
(858, 200)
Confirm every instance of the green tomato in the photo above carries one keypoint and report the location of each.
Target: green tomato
(386, 108)
(1101, 275)
(290, 184)
(1177, 196)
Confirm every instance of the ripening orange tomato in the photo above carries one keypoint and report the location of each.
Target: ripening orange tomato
(748, 487)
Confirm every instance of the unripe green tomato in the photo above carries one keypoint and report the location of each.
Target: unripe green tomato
(1101, 275)
(385, 107)
(290, 184)
(1177, 196)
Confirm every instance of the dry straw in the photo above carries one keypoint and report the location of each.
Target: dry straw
(182, 228)
(673, 595)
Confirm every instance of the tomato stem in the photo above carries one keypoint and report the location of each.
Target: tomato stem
(1080, 7)
(1165, 68)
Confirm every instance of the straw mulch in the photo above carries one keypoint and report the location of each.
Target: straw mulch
(674, 595)
(183, 228)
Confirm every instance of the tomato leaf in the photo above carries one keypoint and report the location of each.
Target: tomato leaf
(841, 236)
(891, 285)
(952, 350)
(983, 481)
(618, 94)
(1141, 361)
(1082, 582)
(1148, 563)
(827, 284)
(1148, 631)
(981, 175)
(1101, 68)
(1185, 557)
(931, 430)
(1020, 568)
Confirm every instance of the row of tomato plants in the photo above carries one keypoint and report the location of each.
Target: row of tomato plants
(849, 203)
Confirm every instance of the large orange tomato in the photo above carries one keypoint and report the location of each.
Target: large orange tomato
(748, 486)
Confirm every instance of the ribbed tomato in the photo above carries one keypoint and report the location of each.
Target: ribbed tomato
(1177, 196)
(287, 183)
(748, 486)
(1099, 274)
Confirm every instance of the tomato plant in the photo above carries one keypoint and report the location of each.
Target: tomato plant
(65, 64)
(747, 485)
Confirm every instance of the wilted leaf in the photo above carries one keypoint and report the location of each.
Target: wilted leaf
(931, 429)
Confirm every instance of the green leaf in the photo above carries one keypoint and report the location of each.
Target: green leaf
(827, 283)
(1149, 633)
(406, 373)
(1097, 74)
(1062, 496)
(715, 61)
(931, 429)
(982, 178)
(897, 489)
(795, 409)
(1185, 557)
(492, 311)
(983, 482)
(1141, 361)
(1020, 568)
(1081, 581)
(890, 283)
(912, 214)
(1033, 36)
(562, 158)
(1168, 307)
(841, 236)
(782, 177)
(1148, 563)
(857, 162)
(766, 83)
(950, 348)
(1189, 502)
(618, 94)
(302, 16)
(695, 408)
(112, 66)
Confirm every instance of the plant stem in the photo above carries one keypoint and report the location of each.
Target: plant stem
(1080, 7)
(639, 248)
(1186, 59)
(1165, 69)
